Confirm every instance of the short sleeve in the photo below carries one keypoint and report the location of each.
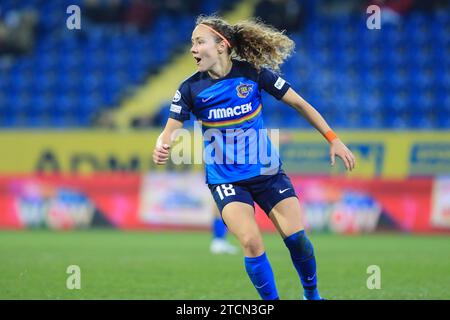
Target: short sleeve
(272, 83)
(181, 106)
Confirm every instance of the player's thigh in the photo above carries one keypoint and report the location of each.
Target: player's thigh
(236, 206)
(240, 220)
(287, 217)
(277, 198)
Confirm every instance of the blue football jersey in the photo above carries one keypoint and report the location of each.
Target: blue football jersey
(236, 143)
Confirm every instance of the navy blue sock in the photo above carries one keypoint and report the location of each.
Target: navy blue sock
(219, 229)
(302, 254)
(261, 275)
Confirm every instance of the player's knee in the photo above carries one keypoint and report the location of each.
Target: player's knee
(252, 245)
(299, 245)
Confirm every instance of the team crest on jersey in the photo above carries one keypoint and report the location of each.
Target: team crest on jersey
(243, 90)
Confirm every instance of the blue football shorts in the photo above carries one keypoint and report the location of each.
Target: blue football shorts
(266, 191)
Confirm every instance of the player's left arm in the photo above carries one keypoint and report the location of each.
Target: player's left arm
(337, 147)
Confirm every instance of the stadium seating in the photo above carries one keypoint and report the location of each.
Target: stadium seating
(72, 75)
(394, 78)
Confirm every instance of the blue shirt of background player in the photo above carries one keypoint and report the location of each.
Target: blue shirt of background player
(227, 104)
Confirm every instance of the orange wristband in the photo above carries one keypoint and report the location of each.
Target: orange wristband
(330, 135)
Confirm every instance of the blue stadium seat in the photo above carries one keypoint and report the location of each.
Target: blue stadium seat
(396, 77)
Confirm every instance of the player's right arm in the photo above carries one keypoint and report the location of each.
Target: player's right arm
(179, 112)
(164, 142)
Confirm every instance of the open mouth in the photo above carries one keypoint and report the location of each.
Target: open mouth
(197, 59)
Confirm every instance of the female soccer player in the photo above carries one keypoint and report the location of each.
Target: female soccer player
(236, 62)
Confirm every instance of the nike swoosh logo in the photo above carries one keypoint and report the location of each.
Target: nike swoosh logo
(311, 278)
(261, 286)
(283, 191)
(206, 100)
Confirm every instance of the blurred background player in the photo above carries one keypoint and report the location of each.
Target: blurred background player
(219, 243)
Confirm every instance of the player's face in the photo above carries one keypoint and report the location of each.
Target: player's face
(204, 48)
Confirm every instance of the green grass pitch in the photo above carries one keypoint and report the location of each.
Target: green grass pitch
(178, 265)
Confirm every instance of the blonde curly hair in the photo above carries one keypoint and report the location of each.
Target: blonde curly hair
(253, 41)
